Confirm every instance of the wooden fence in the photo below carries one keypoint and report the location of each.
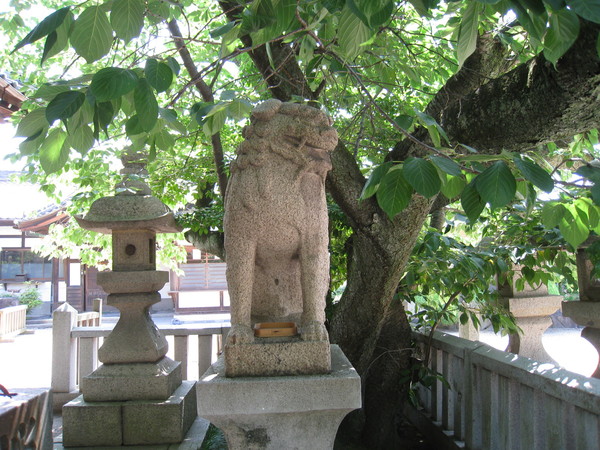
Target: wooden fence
(498, 400)
(12, 321)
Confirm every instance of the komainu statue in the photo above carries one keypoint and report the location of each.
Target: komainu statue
(276, 221)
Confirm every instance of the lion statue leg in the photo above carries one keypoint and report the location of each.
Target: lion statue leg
(240, 280)
(315, 282)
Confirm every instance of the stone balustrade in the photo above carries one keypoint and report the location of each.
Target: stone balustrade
(12, 321)
(495, 399)
(75, 345)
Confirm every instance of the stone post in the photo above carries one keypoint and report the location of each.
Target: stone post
(531, 308)
(64, 353)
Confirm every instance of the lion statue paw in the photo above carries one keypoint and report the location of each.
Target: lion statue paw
(240, 334)
(314, 331)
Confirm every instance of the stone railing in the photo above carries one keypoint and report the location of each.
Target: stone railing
(12, 321)
(75, 350)
(494, 399)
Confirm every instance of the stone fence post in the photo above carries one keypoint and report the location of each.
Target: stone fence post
(64, 354)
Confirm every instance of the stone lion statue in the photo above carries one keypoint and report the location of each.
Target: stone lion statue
(275, 221)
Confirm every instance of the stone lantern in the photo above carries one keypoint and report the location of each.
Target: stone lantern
(586, 312)
(136, 397)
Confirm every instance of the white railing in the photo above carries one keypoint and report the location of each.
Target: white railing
(75, 350)
(498, 400)
(12, 320)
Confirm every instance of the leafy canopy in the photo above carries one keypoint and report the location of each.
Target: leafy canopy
(109, 76)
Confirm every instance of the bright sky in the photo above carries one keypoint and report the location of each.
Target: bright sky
(18, 200)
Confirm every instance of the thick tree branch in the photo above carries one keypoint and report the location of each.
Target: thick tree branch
(285, 79)
(207, 96)
(534, 103)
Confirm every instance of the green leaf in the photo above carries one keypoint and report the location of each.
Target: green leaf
(133, 126)
(112, 82)
(48, 91)
(468, 33)
(64, 105)
(404, 121)
(103, 115)
(590, 172)
(81, 139)
(374, 180)
(595, 191)
(59, 40)
(588, 9)
(53, 153)
(239, 109)
(174, 65)
(446, 165)
(127, 18)
(158, 74)
(32, 123)
(496, 185)
(422, 176)
(44, 28)
(164, 140)
(453, 187)
(91, 35)
(214, 119)
(534, 173)
(555, 4)
(563, 31)
(220, 31)
(573, 228)
(146, 105)
(285, 11)
(30, 145)
(352, 32)
(472, 202)
(394, 192)
(552, 214)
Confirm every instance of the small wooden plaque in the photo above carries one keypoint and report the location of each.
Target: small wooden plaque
(275, 329)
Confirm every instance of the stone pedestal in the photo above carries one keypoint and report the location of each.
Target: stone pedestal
(267, 357)
(532, 315)
(586, 314)
(112, 423)
(283, 412)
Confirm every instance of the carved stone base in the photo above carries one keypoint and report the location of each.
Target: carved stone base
(277, 356)
(94, 424)
(299, 412)
(135, 381)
